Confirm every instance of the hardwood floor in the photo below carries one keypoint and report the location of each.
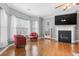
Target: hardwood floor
(43, 48)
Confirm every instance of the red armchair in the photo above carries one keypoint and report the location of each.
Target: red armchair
(33, 36)
(20, 40)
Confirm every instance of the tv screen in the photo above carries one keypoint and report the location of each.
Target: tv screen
(68, 19)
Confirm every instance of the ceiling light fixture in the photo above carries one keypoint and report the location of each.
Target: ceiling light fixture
(66, 6)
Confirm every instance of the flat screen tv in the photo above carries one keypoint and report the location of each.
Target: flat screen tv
(67, 19)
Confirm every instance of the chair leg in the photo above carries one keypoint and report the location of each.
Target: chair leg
(33, 39)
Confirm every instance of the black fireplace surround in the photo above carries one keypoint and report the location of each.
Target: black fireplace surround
(64, 36)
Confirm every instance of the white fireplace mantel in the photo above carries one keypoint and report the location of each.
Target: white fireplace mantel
(66, 28)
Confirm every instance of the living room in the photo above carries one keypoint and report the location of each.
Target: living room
(55, 26)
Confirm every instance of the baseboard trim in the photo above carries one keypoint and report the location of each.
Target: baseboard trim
(77, 40)
(6, 48)
(54, 38)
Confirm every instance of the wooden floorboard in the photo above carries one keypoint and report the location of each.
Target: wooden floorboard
(43, 48)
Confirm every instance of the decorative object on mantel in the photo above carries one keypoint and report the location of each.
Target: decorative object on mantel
(66, 6)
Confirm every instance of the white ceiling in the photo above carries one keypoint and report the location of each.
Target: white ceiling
(41, 9)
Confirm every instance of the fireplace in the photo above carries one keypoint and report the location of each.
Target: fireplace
(65, 27)
(64, 36)
(65, 33)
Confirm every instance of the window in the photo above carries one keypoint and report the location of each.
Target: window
(35, 26)
(13, 26)
(23, 26)
(3, 28)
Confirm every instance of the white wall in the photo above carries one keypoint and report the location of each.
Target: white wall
(77, 27)
(50, 27)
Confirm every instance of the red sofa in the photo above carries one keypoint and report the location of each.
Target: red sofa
(33, 36)
(20, 40)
